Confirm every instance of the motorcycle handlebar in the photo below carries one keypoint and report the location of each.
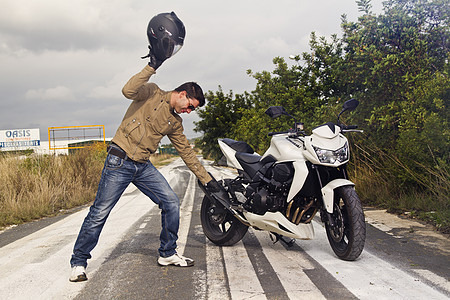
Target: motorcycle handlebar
(349, 128)
(291, 133)
(277, 132)
(352, 130)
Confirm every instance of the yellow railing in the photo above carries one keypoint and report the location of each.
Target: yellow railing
(74, 133)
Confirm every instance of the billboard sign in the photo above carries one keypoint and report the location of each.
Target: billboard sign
(19, 138)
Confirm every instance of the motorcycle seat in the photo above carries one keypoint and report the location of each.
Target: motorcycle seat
(248, 158)
(252, 163)
(238, 146)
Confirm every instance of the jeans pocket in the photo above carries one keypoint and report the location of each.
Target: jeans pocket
(113, 162)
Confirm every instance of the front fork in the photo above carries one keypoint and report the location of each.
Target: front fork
(327, 193)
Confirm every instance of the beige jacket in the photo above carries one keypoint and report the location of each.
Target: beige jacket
(148, 119)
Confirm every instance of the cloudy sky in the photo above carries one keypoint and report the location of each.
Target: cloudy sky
(63, 63)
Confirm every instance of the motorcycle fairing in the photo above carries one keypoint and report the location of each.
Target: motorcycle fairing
(328, 192)
(327, 131)
(284, 148)
(300, 173)
(230, 153)
(277, 222)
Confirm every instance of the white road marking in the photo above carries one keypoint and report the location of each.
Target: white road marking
(369, 277)
(186, 214)
(242, 279)
(289, 267)
(37, 266)
(200, 284)
(216, 278)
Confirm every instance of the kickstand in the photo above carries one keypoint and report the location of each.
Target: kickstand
(275, 237)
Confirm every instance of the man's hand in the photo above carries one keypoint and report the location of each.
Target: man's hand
(154, 62)
(213, 186)
(216, 190)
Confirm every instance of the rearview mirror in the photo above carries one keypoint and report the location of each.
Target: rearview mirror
(276, 111)
(350, 104)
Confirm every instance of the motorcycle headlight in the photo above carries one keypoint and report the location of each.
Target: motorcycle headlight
(330, 156)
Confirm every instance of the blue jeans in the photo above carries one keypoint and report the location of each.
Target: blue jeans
(117, 174)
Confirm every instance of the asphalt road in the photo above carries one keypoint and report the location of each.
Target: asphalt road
(403, 259)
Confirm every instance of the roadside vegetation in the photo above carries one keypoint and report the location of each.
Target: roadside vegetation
(36, 186)
(397, 65)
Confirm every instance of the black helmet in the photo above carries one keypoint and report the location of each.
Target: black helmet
(165, 34)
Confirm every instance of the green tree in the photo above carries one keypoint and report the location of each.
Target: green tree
(306, 90)
(398, 67)
(396, 64)
(218, 118)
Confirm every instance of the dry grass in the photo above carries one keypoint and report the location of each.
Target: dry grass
(45, 185)
(427, 200)
(159, 160)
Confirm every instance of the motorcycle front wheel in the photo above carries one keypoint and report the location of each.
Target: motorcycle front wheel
(348, 235)
(220, 226)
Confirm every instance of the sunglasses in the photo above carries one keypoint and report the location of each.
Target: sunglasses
(191, 107)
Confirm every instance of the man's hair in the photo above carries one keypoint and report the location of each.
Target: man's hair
(193, 91)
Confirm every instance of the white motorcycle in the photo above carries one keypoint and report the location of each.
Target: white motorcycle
(282, 190)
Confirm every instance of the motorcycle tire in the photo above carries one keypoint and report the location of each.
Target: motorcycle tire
(220, 226)
(348, 236)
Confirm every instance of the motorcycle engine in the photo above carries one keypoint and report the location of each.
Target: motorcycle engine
(270, 193)
(282, 172)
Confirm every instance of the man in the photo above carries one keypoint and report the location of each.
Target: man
(152, 115)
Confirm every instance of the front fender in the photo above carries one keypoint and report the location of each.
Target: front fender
(328, 192)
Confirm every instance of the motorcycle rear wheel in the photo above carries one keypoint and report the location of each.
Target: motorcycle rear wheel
(348, 235)
(220, 226)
